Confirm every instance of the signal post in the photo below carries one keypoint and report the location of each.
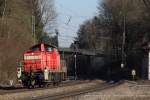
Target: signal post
(148, 61)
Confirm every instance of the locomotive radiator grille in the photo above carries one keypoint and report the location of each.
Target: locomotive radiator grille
(32, 57)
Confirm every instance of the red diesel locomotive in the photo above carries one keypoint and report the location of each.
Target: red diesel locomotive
(41, 65)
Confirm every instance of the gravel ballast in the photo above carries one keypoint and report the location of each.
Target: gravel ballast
(125, 91)
(27, 95)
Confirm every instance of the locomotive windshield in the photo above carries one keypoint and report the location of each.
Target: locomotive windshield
(35, 48)
(49, 48)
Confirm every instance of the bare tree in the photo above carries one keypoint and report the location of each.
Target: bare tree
(48, 12)
(147, 3)
(45, 16)
(110, 24)
(3, 6)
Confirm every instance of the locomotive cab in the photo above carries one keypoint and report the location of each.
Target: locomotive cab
(41, 47)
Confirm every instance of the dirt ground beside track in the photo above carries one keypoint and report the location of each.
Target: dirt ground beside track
(125, 91)
(27, 95)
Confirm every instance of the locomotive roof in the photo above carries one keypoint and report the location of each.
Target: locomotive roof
(50, 45)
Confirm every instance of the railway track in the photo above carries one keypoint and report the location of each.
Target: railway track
(78, 92)
(10, 90)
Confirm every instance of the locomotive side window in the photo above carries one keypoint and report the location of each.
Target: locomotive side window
(47, 48)
(36, 48)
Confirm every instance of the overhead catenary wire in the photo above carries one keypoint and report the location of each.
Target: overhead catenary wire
(70, 16)
(69, 36)
(68, 29)
(66, 38)
(72, 12)
(74, 17)
(67, 25)
(64, 41)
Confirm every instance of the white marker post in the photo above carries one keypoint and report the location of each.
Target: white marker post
(75, 65)
(122, 65)
(133, 74)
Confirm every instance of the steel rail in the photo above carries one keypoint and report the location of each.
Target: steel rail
(78, 92)
(23, 89)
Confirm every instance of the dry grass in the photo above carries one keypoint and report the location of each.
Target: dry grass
(16, 30)
(30, 94)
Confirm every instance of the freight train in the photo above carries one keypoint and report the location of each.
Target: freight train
(41, 65)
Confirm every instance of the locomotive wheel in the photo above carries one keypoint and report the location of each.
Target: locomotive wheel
(40, 85)
(46, 84)
(31, 84)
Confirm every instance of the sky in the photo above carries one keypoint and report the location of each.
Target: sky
(71, 14)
